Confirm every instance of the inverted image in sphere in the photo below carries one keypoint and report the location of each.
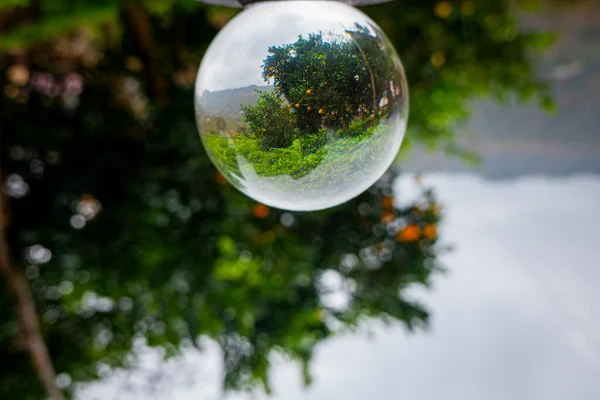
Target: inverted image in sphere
(301, 105)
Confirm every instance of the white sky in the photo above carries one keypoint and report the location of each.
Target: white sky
(235, 56)
(516, 317)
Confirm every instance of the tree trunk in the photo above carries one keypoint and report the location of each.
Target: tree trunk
(375, 102)
(139, 24)
(25, 309)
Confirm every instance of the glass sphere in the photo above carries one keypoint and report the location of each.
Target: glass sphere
(301, 105)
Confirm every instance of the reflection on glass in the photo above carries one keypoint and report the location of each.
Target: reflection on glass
(301, 105)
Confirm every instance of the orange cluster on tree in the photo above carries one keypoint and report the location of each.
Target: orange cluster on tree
(412, 233)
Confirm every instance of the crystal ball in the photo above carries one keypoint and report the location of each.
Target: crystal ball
(301, 105)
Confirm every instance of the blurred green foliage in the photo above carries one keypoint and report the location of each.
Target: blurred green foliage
(124, 229)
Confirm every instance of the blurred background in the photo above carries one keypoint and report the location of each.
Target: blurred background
(132, 270)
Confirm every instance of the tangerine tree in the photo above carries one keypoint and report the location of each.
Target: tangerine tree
(327, 79)
(271, 121)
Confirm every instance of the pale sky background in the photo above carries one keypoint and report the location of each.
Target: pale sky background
(235, 56)
(515, 317)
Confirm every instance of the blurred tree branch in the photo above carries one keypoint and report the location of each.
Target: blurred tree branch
(139, 23)
(25, 310)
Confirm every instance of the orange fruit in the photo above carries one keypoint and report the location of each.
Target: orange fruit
(408, 234)
(260, 211)
(387, 217)
(443, 9)
(220, 179)
(430, 231)
(387, 203)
